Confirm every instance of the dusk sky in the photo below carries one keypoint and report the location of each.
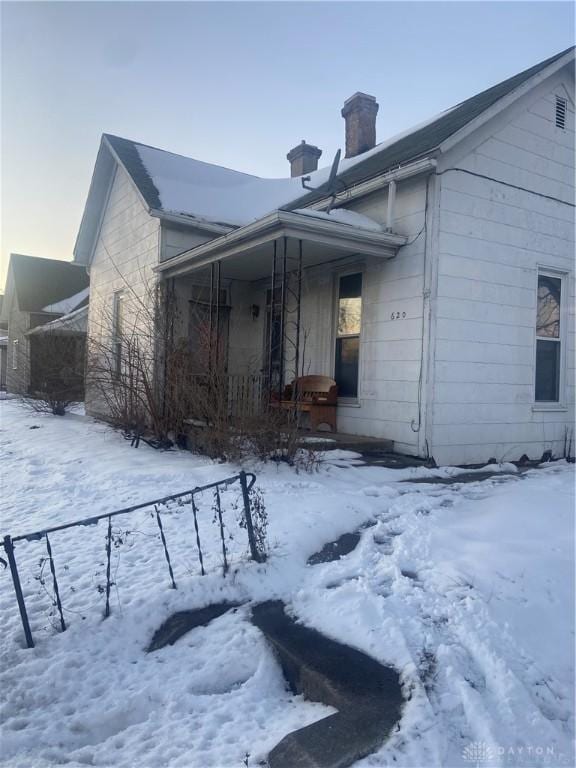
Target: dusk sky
(237, 84)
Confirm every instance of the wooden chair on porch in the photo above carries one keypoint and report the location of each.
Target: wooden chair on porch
(316, 395)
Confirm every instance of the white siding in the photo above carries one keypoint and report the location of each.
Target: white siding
(17, 379)
(177, 239)
(391, 351)
(126, 250)
(492, 238)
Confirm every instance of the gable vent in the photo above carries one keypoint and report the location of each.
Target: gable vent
(560, 112)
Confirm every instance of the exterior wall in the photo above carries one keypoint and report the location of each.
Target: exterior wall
(177, 239)
(246, 333)
(126, 249)
(3, 365)
(391, 341)
(492, 239)
(17, 379)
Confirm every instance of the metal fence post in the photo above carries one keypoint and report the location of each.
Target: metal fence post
(108, 556)
(9, 549)
(255, 553)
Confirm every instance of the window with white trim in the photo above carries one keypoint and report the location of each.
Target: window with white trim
(15, 345)
(349, 319)
(548, 338)
(117, 332)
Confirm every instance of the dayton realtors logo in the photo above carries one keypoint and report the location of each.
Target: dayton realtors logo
(480, 755)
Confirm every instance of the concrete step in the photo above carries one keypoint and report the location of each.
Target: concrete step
(329, 441)
(367, 695)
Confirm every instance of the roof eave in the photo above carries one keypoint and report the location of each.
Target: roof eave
(190, 221)
(289, 224)
(422, 164)
(505, 102)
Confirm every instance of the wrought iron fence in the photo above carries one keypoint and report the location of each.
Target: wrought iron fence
(246, 481)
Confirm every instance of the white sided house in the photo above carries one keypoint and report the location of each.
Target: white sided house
(431, 275)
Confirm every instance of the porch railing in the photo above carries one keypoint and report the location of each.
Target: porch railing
(247, 394)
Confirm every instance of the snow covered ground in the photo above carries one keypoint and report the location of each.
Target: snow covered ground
(468, 589)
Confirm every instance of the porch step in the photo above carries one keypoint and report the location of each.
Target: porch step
(367, 695)
(331, 441)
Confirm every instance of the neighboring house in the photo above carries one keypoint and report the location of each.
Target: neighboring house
(3, 348)
(58, 353)
(38, 291)
(432, 276)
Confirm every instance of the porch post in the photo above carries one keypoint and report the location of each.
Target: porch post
(282, 321)
(271, 321)
(210, 324)
(298, 312)
(217, 313)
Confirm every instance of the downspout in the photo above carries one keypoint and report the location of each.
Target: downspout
(426, 395)
(390, 206)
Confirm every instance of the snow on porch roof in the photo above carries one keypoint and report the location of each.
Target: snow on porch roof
(73, 323)
(351, 233)
(174, 184)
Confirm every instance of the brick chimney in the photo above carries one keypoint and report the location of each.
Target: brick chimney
(360, 112)
(303, 158)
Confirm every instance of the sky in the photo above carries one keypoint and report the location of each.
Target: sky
(233, 83)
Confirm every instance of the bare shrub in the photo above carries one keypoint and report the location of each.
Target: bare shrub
(150, 378)
(126, 352)
(51, 371)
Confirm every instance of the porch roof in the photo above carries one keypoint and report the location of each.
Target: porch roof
(74, 323)
(254, 239)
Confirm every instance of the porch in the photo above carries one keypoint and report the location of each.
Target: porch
(278, 300)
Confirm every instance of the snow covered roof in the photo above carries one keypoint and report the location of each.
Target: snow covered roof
(343, 216)
(211, 195)
(71, 303)
(40, 283)
(182, 185)
(428, 136)
(73, 323)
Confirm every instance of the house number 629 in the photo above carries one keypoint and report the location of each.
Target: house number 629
(397, 315)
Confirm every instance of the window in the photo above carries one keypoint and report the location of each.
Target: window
(348, 334)
(561, 107)
(548, 339)
(15, 355)
(117, 332)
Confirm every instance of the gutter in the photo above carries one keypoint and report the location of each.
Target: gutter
(425, 164)
(190, 221)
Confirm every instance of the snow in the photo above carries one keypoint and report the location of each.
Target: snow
(211, 192)
(467, 589)
(69, 304)
(75, 322)
(225, 196)
(344, 216)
